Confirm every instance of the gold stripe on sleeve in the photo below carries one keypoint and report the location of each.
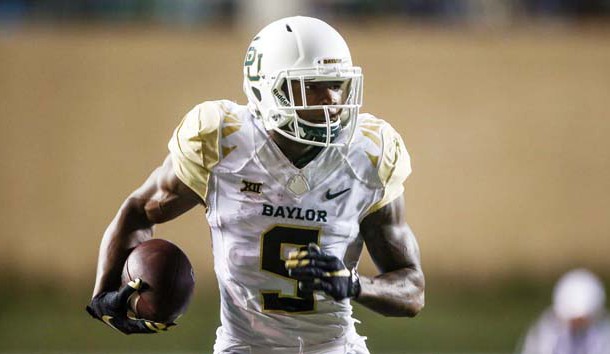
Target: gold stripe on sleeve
(394, 168)
(194, 147)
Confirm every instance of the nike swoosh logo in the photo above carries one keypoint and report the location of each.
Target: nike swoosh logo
(330, 195)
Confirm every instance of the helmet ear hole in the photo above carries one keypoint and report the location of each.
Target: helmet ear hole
(256, 93)
(284, 87)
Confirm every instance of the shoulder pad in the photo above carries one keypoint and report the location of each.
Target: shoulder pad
(379, 157)
(194, 146)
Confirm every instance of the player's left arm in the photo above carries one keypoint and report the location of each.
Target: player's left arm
(399, 288)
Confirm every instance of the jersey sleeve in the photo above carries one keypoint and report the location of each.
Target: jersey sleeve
(194, 147)
(393, 168)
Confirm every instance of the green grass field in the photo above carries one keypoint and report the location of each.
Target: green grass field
(458, 318)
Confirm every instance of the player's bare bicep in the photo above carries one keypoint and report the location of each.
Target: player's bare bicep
(389, 239)
(164, 196)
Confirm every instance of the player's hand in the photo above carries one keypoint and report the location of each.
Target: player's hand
(111, 308)
(317, 270)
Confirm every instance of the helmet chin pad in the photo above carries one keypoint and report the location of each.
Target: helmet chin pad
(313, 132)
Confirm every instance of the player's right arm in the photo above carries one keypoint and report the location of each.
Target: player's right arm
(161, 198)
(171, 190)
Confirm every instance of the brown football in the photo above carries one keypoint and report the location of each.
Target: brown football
(168, 276)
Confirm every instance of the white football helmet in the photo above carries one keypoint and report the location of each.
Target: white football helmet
(301, 49)
(579, 293)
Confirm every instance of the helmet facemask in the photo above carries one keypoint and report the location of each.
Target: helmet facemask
(292, 108)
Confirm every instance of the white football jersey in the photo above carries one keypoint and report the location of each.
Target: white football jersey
(260, 207)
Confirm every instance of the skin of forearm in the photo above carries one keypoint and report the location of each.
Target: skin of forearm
(129, 228)
(395, 294)
(399, 288)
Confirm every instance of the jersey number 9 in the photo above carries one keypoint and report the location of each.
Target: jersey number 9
(272, 251)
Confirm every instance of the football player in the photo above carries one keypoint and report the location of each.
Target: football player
(576, 323)
(294, 184)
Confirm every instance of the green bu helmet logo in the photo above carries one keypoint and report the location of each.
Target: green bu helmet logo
(253, 59)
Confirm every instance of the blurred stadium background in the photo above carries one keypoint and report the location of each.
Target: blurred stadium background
(503, 105)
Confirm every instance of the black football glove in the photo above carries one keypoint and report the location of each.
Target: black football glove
(317, 270)
(111, 308)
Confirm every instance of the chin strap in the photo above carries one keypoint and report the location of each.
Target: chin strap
(317, 134)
